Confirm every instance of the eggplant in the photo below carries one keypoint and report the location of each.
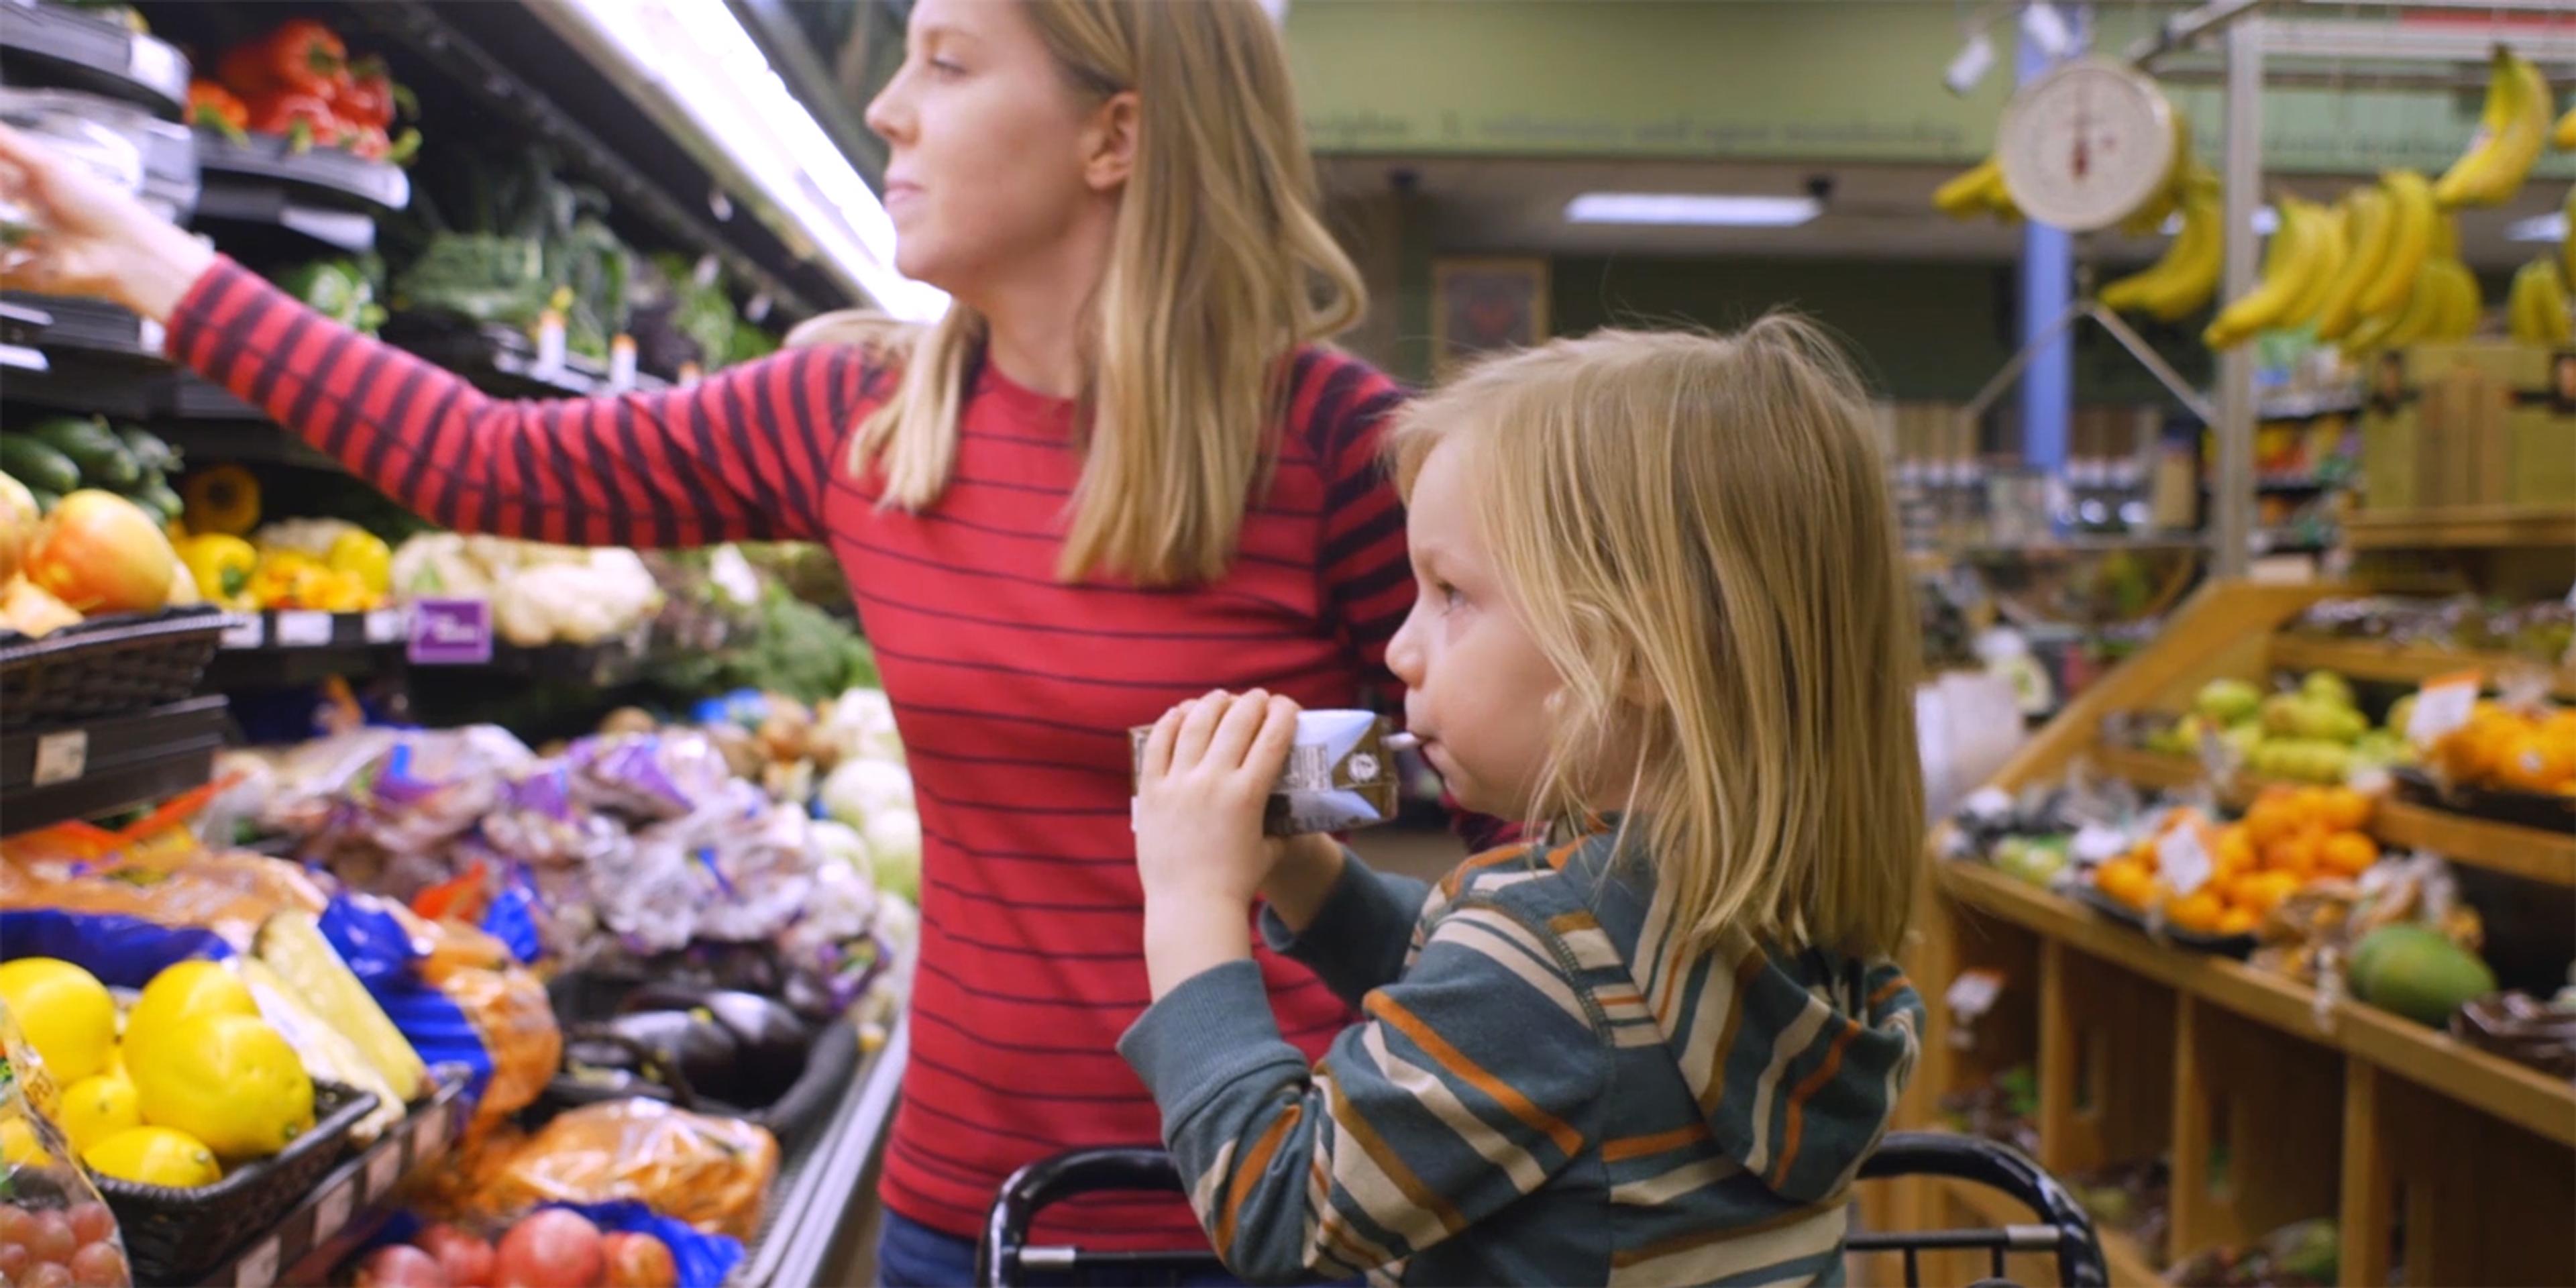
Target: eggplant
(702, 1051)
(772, 1043)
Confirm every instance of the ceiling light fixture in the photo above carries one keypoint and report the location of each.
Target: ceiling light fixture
(1678, 208)
(2539, 228)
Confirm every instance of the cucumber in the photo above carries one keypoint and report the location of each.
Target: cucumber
(160, 498)
(45, 500)
(148, 449)
(95, 448)
(37, 464)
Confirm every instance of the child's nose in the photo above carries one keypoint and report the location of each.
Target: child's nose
(1404, 653)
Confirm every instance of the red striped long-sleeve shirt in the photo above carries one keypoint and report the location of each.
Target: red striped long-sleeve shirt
(1013, 690)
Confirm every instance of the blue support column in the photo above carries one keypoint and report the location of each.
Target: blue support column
(2047, 287)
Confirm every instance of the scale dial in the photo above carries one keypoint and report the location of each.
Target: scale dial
(2086, 144)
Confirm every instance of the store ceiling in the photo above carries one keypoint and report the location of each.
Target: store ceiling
(1508, 206)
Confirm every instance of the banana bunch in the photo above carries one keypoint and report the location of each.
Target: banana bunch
(2567, 243)
(2511, 129)
(2563, 137)
(2305, 253)
(2441, 303)
(2537, 309)
(2177, 285)
(2184, 175)
(1978, 190)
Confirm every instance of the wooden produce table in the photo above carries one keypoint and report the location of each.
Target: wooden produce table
(2273, 1104)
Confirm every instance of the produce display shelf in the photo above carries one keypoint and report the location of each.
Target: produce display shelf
(93, 326)
(2512, 1092)
(2527, 852)
(96, 767)
(268, 205)
(263, 162)
(2466, 527)
(55, 45)
(351, 1203)
(243, 439)
(2306, 406)
(817, 1184)
(2404, 663)
(503, 360)
(2121, 1254)
(285, 648)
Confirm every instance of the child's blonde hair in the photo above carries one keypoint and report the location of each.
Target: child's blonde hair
(1697, 532)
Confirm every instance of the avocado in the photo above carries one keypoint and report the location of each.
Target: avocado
(2416, 972)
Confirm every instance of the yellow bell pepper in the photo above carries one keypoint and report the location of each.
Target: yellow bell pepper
(364, 556)
(222, 567)
(224, 499)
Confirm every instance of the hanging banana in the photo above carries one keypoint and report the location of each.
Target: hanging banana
(2536, 310)
(2410, 237)
(2370, 214)
(2567, 241)
(2563, 137)
(2511, 129)
(2334, 254)
(1977, 190)
(2290, 266)
(2176, 286)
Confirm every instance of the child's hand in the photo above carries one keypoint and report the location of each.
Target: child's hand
(1208, 771)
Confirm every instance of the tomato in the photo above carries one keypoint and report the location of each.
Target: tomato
(400, 1265)
(639, 1261)
(467, 1259)
(47, 1274)
(92, 1222)
(14, 1261)
(53, 1240)
(99, 1265)
(549, 1249)
(100, 553)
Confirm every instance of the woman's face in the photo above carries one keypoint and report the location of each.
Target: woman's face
(994, 158)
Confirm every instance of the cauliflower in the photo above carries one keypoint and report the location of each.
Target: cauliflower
(608, 594)
(859, 725)
(858, 791)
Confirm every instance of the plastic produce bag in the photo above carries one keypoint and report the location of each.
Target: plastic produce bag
(649, 775)
(713, 1173)
(50, 1214)
(704, 1260)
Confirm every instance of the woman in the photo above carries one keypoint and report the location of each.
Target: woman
(1119, 473)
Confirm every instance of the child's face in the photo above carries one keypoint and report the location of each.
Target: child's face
(1477, 689)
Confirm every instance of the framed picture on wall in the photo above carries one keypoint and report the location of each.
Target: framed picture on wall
(1481, 306)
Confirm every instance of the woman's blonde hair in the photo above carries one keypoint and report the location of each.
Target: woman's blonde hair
(1696, 531)
(1218, 270)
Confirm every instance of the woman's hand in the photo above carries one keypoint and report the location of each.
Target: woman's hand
(1209, 767)
(92, 239)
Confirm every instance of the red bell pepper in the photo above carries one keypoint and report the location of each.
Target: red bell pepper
(217, 108)
(303, 118)
(302, 55)
(369, 96)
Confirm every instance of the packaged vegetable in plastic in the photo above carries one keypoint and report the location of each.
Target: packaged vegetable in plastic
(508, 1009)
(665, 775)
(713, 1173)
(54, 1230)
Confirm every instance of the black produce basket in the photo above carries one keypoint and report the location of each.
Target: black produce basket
(582, 998)
(2239, 947)
(176, 1236)
(107, 665)
(2543, 810)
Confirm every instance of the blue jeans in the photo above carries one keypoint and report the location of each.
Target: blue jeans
(912, 1255)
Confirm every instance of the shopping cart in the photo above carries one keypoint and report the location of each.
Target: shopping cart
(2063, 1228)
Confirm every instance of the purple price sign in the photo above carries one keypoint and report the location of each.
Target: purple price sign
(451, 632)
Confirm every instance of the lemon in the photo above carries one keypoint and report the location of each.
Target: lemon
(97, 1107)
(18, 1147)
(64, 1012)
(154, 1156)
(228, 1080)
(183, 992)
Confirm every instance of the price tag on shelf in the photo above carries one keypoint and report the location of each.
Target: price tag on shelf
(2183, 860)
(258, 1267)
(150, 61)
(385, 626)
(2442, 705)
(383, 1170)
(247, 631)
(61, 757)
(331, 1215)
(303, 628)
(1973, 993)
(451, 632)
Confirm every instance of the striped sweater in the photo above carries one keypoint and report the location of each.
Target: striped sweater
(1013, 690)
(1547, 1088)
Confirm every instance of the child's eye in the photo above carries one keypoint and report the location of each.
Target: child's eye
(1448, 594)
(946, 68)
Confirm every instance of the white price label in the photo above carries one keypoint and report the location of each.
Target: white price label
(61, 757)
(2097, 844)
(151, 61)
(246, 632)
(1974, 992)
(386, 626)
(151, 335)
(258, 1267)
(429, 1137)
(383, 1170)
(2183, 860)
(303, 628)
(2442, 705)
(331, 1215)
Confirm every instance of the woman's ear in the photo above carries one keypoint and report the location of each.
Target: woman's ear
(1109, 143)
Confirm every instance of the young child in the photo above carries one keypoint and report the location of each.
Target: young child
(1663, 612)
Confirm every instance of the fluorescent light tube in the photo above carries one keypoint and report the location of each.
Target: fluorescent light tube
(1691, 208)
(2539, 228)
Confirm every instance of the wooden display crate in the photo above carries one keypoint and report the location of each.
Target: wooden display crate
(2273, 1104)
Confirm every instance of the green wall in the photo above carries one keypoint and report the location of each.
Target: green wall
(1809, 80)
(1922, 331)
